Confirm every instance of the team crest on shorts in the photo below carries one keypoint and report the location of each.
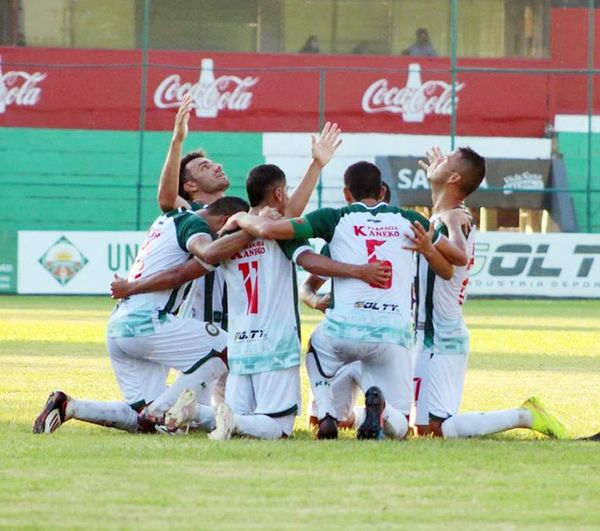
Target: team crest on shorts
(63, 260)
(212, 330)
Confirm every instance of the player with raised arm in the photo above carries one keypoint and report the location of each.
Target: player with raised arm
(145, 339)
(369, 323)
(442, 336)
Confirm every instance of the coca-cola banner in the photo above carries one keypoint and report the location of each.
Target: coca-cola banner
(509, 183)
(101, 89)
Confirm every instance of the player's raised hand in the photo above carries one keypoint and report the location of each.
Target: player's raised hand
(326, 145)
(180, 130)
(119, 288)
(421, 239)
(435, 157)
(376, 274)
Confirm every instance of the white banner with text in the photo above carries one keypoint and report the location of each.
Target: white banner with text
(506, 263)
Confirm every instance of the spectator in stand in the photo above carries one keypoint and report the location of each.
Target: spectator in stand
(311, 45)
(421, 46)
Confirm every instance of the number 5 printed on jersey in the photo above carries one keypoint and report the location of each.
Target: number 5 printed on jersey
(371, 247)
(250, 275)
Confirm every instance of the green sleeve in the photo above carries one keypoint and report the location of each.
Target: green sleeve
(438, 231)
(320, 223)
(188, 224)
(289, 247)
(413, 216)
(325, 251)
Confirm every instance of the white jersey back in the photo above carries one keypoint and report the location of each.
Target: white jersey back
(440, 319)
(264, 329)
(358, 234)
(165, 246)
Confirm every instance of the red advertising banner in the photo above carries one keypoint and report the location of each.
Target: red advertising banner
(93, 89)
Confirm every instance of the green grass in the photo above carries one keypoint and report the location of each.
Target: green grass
(88, 477)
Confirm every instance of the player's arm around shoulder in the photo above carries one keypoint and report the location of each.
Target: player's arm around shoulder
(121, 288)
(262, 226)
(453, 245)
(421, 241)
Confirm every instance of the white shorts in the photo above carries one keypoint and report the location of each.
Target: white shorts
(438, 385)
(386, 365)
(141, 364)
(272, 393)
(345, 388)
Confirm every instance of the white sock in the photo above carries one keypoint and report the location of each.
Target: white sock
(110, 414)
(204, 418)
(257, 426)
(321, 388)
(359, 416)
(395, 424)
(198, 381)
(477, 424)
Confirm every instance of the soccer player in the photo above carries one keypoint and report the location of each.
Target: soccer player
(145, 339)
(442, 337)
(345, 385)
(370, 323)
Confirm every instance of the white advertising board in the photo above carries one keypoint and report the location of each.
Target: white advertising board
(506, 263)
(72, 262)
(539, 265)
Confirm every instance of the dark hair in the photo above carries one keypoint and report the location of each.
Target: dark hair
(227, 206)
(363, 179)
(184, 173)
(388, 192)
(261, 180)
(471, 167)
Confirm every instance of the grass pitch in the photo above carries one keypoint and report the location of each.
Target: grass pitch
(88, 477)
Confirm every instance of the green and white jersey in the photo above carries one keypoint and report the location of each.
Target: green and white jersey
(358, 234)
(206, 299)
(440, 323)
(166, 246)
(264, 327)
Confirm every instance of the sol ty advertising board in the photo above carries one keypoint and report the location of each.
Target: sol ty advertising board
(74, 262)
(537, 265)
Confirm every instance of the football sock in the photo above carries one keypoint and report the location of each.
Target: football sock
(257, 426)
(477, 424)
(321, 388)
(199, 380)
(110, 414)
(359, 416)
(395, 424)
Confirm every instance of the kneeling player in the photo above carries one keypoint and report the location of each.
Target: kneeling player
(145, 339)
(442, 337)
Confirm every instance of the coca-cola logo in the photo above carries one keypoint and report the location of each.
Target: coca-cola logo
(414, 101)
(210, 94)
(19, 88)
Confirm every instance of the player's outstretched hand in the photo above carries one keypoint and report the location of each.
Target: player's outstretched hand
(421, 240)
(376, 274)
(326, 145)
(119, 288)
(180, 130)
